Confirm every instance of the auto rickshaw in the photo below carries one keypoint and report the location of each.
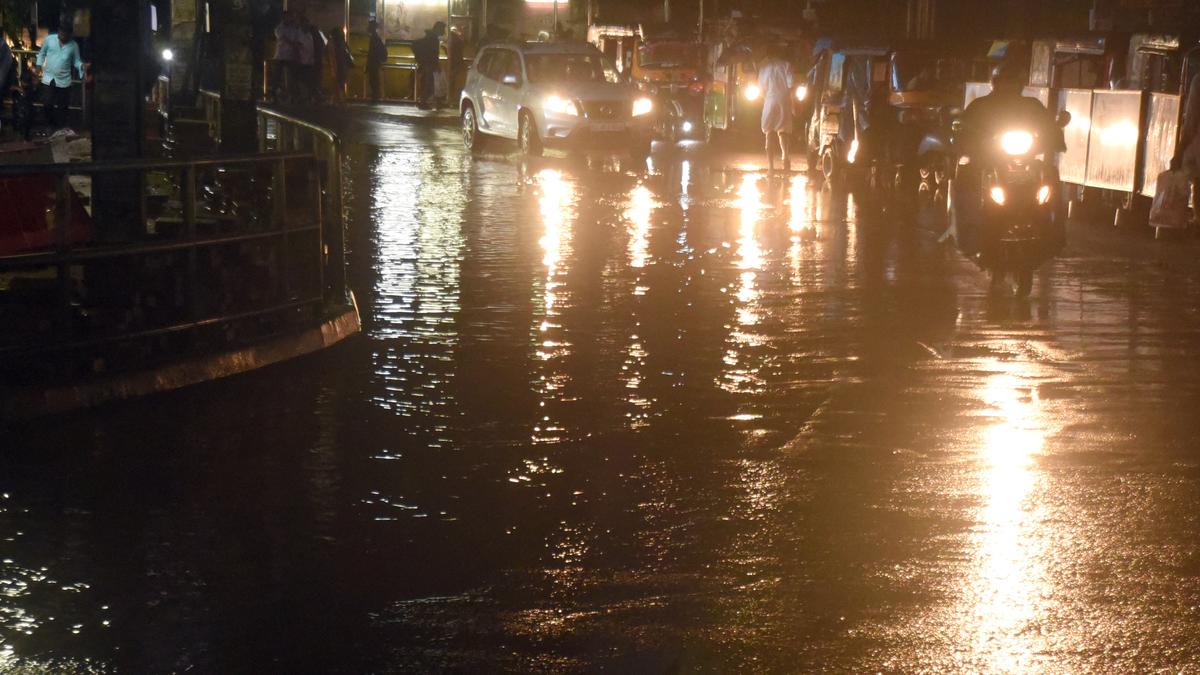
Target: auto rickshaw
(670, 69)
(733, 102)
(873, 104)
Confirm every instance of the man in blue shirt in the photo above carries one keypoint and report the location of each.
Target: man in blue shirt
(57, 59)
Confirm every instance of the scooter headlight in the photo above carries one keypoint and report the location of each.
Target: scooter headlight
(562, 106)
(1043, 194)
(642, 106)
(997, 195)
(753, 92)
(801, 92)
(1016, 142)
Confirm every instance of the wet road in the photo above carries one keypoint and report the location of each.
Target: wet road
(679, 420)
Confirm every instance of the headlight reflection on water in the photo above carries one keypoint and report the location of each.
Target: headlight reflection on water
(1008, 584)
(556, 205)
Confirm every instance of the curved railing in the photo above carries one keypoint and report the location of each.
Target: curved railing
(221, 251)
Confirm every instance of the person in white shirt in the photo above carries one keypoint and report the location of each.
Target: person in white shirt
(56, 62)
(775, 79)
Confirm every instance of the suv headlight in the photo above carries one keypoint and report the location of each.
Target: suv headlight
(1016, 142)
(562, 106)
(642, 106)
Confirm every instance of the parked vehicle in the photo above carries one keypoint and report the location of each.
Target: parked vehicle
(671, 71)
(552, 93)
(1006, 200)
(872, 107)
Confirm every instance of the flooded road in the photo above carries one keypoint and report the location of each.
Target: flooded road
(684, 419)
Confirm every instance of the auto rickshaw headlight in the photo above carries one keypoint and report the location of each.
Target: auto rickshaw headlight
(1043, 194)
(1016, 142)
(801, 92)
(997, 195)
(753, 92)
(642, 106)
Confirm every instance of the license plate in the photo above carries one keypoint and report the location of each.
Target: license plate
(608, 126)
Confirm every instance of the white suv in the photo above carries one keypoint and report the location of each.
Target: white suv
(552, 93)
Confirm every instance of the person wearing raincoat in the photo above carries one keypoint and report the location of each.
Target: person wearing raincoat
(775, 80)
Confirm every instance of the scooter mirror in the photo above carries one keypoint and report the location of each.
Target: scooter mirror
(1064, 119)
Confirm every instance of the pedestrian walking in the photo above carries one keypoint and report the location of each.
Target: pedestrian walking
(426, 51)
(376, 57)
(287, 56)
(775, 81)
(57, 60)
(1187, 152)
(342, 60)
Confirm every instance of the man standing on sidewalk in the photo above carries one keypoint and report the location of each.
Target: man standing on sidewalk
(376, 57)
(57, 59)
(454, 57)
(427, 52)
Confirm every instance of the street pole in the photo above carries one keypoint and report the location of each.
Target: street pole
(554, 21)
(700, 23)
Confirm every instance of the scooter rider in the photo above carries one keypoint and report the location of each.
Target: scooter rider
(988, 116)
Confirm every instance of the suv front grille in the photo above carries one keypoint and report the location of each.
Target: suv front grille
(606, 110)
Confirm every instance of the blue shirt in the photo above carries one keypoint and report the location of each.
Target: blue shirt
(56, 61)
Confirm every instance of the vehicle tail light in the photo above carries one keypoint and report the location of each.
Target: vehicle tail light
(697, 87)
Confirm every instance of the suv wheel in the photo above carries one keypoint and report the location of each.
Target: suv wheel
(527, 137)
(472, 139)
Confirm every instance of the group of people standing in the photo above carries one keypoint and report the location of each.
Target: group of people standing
(432, 83)
(300, 53)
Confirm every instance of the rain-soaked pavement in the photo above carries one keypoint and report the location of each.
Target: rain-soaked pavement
(679, 420)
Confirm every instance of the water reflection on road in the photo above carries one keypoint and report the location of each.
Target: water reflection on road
(681, 416)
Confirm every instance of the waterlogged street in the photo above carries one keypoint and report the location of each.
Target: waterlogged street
(669, 420)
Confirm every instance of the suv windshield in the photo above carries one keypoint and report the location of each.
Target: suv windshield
(569, 68)
(669, 55)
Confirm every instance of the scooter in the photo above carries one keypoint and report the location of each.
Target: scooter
(1006, 206)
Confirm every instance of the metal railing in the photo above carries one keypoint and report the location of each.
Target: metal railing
(232, 249)
(292, 134)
